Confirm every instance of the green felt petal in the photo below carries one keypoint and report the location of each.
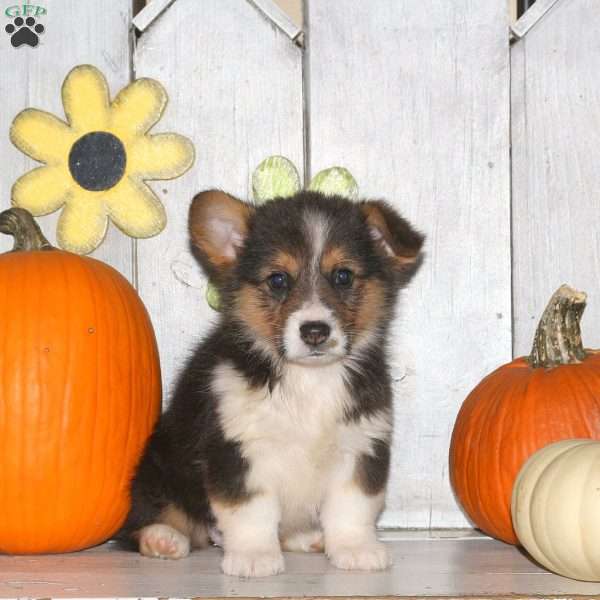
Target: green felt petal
(212, 297)
(275, 177)
(335, 181)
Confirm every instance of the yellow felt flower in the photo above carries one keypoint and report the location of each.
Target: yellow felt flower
(96, 163)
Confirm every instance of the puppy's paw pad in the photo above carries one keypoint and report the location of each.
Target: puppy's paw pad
(305, 541)
(162, 541)
(365, 557)
(252, 564)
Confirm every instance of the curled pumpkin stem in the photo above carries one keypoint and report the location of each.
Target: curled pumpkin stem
(558, 336)
(22, 226)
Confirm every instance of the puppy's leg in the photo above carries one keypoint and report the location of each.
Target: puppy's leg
(163, 541)
(250, 536)
(172, 535)
(349, 513)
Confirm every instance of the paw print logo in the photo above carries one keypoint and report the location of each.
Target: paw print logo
(24, 31)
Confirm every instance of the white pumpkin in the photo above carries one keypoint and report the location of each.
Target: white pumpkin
(556, 508)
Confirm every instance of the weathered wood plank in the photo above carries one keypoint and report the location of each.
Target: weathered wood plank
(235, 86)
(556, 179)
(439, 567)
(412, 97)
(75, 33)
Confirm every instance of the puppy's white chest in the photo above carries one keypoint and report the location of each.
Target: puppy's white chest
(290, 435)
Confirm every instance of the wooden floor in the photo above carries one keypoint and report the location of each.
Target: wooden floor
(439, 565)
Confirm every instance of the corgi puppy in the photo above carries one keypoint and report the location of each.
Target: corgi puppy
(278, 434)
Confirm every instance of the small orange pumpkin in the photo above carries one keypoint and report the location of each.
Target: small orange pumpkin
(551, 395)
(79, 393)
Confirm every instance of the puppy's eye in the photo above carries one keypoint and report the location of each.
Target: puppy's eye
(278, 282)
(343, 278)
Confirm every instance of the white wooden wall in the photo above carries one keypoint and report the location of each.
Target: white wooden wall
(413, 98)
(556, 170)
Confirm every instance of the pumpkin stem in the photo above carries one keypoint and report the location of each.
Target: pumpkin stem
(22, 226)
(558, 336)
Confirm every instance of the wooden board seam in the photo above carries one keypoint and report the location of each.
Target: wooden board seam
(267, 8)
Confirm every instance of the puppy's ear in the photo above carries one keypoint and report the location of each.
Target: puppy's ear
(394, 236)
(218, 226)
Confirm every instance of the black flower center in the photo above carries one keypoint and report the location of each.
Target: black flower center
(97, 161)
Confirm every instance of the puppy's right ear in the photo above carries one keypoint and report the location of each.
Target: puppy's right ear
(218, 226)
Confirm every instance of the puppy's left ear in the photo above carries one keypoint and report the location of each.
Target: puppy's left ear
(218, 226)
(394, 236)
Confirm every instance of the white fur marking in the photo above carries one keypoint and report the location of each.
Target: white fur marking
(348, 517)
(250, 537)
(289, 435)
(357, 438)
(302, 456)
(371, 556)
(295, 348)
(255, 564)
(348, 514)
(317, 229)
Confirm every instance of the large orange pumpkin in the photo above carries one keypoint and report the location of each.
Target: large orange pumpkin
(79, 393)
(553, 394)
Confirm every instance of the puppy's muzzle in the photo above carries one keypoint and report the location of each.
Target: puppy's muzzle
(314, 333)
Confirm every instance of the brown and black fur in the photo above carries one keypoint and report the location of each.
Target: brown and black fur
(189, 463)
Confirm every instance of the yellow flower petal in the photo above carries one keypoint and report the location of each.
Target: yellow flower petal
(137, 108)
(42, 136)
(42, 190)
(135, 209)
(83, 222)
(85, 99)
(161, 156)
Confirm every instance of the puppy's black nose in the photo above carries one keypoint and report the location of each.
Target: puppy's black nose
(314, 333)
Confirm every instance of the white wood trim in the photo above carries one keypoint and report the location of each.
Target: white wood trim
(148, 14)
(268, 8)
(278, 17)
(532, 17)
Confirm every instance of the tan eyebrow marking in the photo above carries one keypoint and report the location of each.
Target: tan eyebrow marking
(282, 261)
(335, 257)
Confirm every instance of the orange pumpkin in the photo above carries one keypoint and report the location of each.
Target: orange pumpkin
(551, 395)
(79, 393)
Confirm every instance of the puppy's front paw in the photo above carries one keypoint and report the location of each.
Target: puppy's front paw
(371, 556)
(162, 541)
(253, 564)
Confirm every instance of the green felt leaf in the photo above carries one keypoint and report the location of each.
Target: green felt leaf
(335, 181)
(212, 297)
(275, 177)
